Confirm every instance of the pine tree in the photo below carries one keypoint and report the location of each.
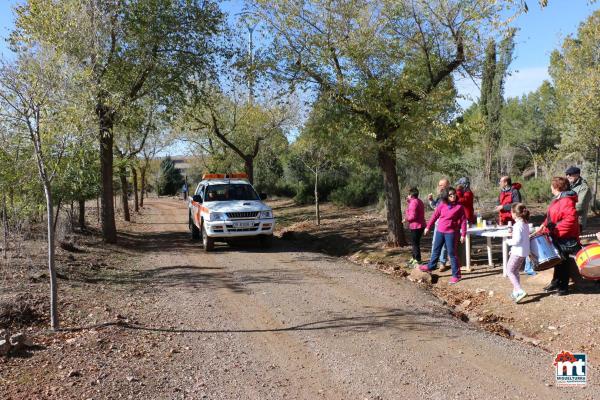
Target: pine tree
(492, 96)
(170, 178)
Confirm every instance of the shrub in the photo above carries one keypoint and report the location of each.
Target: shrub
(362, 189)
(536, 191)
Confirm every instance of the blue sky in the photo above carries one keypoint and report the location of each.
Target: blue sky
(540, 32)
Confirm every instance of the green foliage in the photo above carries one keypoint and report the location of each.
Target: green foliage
(575, 69)
(170, 181)
(361, 189)
(536, 190)
(492, 96)
(131, 48)
(530, 126)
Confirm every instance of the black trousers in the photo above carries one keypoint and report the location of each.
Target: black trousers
(562, 271)
(561, 274)
(415, 237)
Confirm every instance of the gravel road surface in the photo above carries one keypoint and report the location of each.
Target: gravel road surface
(249, 323)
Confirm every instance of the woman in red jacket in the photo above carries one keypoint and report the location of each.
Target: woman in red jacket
(465, 198)
(563, 227)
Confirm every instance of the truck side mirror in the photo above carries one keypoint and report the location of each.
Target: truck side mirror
(197, 198)
(263, 196)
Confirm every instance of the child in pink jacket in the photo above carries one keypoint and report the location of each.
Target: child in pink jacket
(415, 216)
(452, 225)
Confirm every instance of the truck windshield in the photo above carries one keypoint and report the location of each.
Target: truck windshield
(230, 192)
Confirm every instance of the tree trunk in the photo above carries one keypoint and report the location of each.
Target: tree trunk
(387, 162)
(487, 163)
(109, 229)
(51, 266)
(124, 190)
(72, 217)
(82, 214)
(57, 215)
(317, 211)
(535, 168)
(596, 179)
(249, 167)
(4, 226)
(143, 185)
(136, 204)
(98, 210)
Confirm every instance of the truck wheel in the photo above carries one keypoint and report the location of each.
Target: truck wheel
(194, 229)
(207, 242)
(266, 241)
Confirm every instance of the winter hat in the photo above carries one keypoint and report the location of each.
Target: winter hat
(464, 181)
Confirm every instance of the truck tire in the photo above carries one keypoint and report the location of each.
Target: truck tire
(207, 242)
(194, 229)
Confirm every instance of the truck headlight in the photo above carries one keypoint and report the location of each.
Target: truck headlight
(266, 214)
(217, 216)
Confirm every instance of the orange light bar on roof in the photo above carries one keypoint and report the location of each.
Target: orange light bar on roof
(238, 175)
(213, 176)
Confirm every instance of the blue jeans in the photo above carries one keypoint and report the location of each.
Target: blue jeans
(529, 267)
(444, 252)
(450, 240)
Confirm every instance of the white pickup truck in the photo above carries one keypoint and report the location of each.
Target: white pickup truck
(226, 207)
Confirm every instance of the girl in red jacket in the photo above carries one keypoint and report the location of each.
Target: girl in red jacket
(563, 227)
(465, 198)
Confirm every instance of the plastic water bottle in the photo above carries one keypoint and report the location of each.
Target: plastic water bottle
(479, 220)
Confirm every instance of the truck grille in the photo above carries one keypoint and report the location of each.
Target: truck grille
(242, 215)
(230, 228)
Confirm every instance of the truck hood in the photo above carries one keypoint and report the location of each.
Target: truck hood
(236, 206)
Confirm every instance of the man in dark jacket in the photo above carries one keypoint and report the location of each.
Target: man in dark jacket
(509, 195)
(584, 194)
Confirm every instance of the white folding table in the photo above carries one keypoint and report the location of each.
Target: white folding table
(488, 233)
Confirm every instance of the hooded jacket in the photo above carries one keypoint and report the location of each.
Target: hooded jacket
(561, 220)
(508, 196)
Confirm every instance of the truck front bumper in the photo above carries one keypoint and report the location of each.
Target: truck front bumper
(242, 228)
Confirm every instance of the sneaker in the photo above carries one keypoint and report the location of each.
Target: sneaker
(424, 268)
(552, 286)
(454, 280)
(562, 292)
(443, 267)
(520, 296)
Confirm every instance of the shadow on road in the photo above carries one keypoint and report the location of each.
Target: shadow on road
(192, 277)
(388, 319)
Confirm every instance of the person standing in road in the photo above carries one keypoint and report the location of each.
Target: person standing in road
(509, 195)
(451, 228)
(443, 184)
(184, 191)
(584, 194)
(415, 216)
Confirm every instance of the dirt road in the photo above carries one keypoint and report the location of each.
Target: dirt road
(247, 323)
